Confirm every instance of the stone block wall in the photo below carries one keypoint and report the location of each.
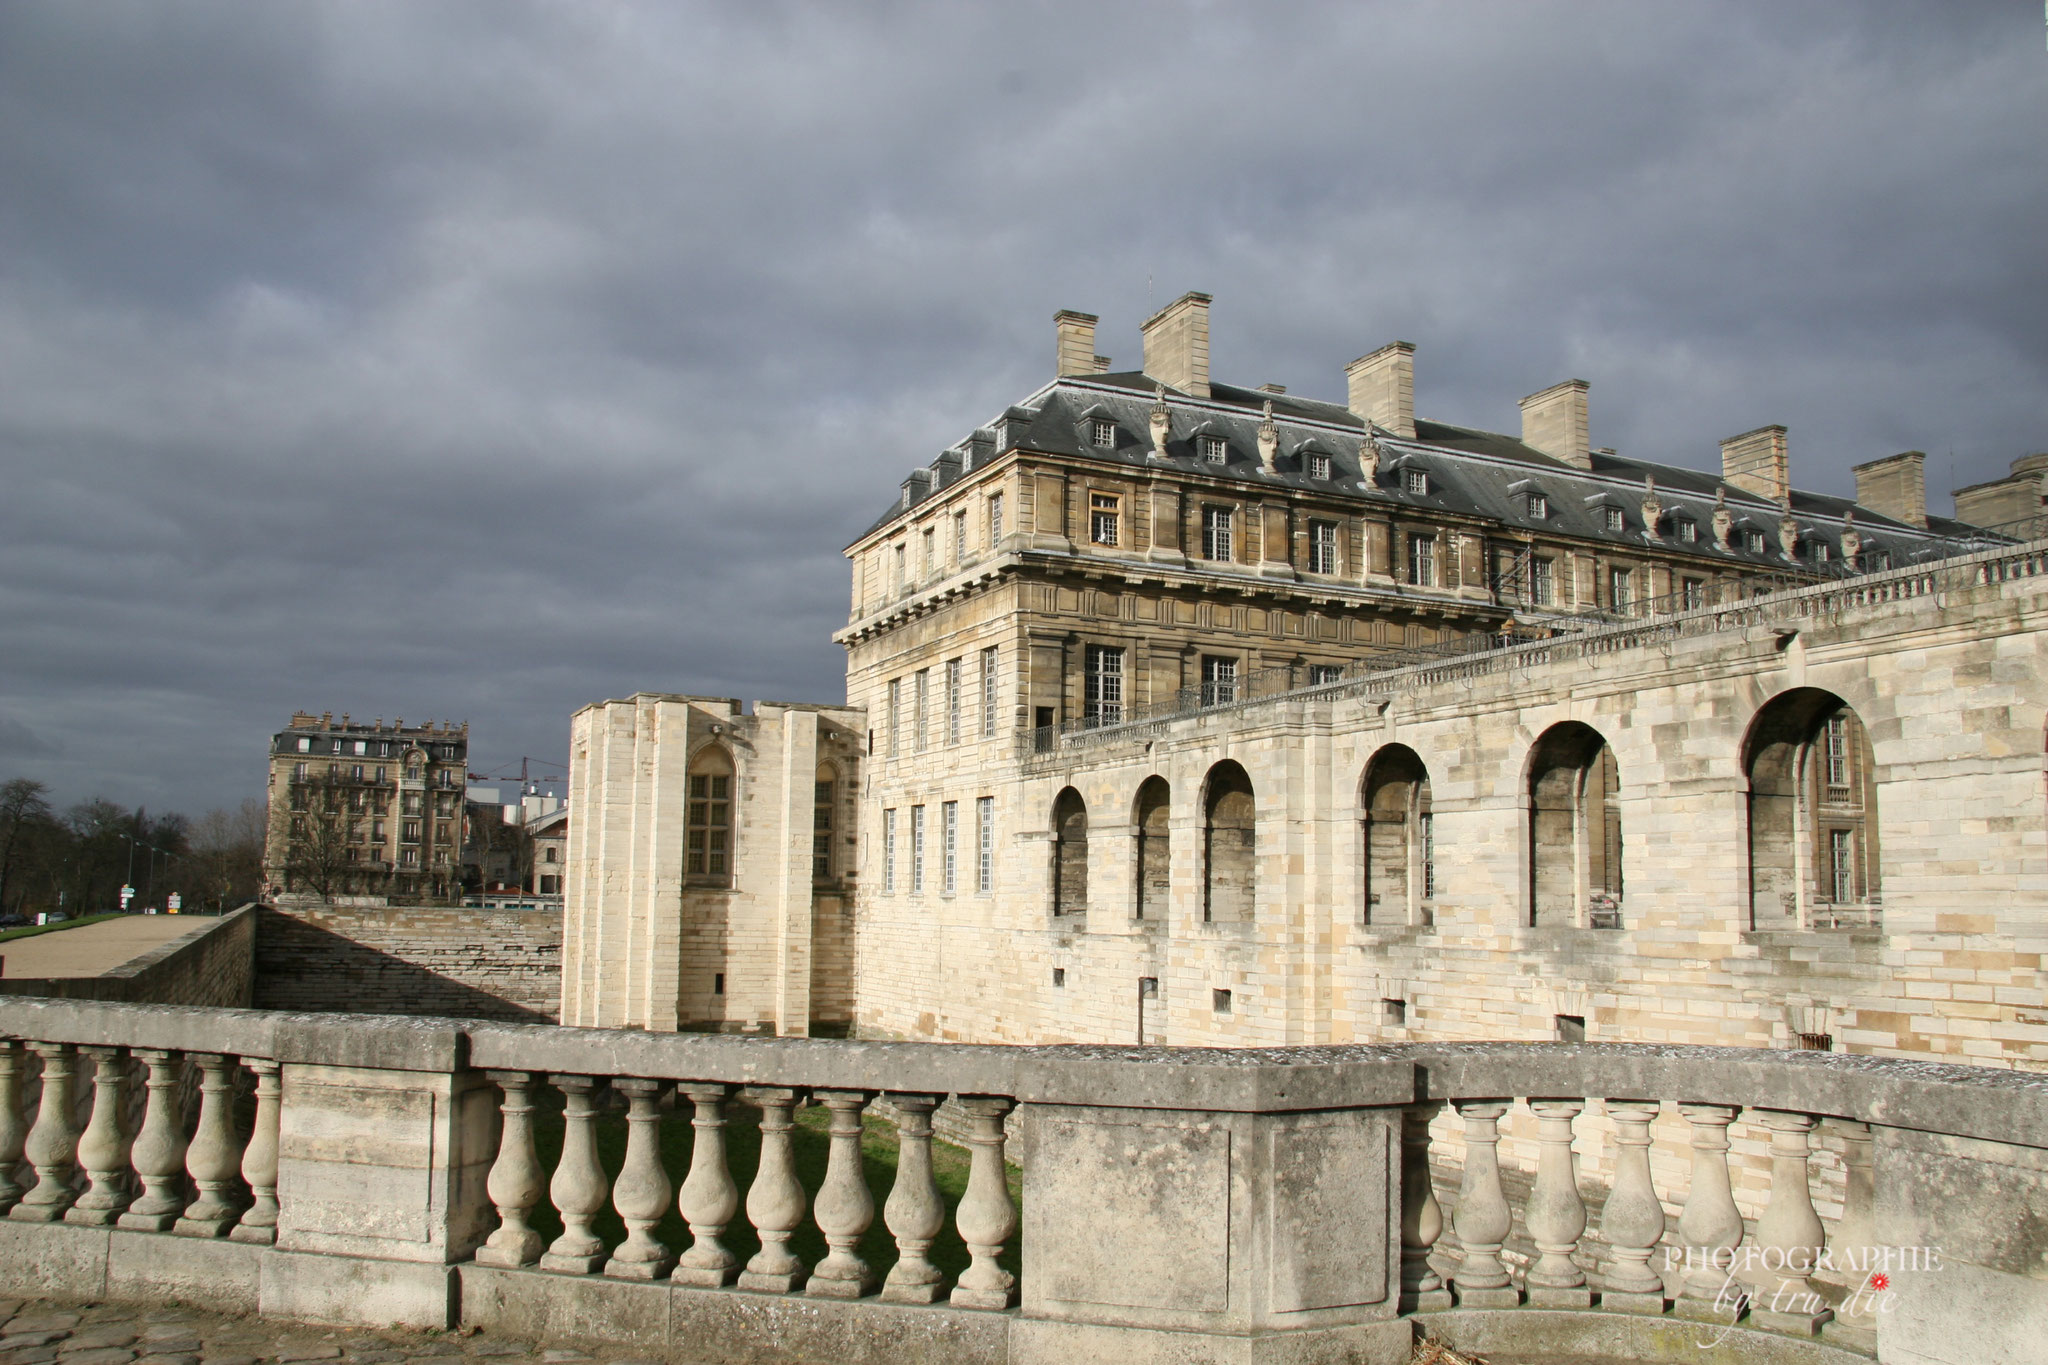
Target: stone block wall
(473, 964)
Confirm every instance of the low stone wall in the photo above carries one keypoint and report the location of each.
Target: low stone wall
(463, 963)
(209, 965)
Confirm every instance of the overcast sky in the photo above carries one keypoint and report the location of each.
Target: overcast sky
(481, 361)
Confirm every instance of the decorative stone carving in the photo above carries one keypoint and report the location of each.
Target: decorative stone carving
(1633, 1220)
(214, 1160)
(53, 1141)
(1482, 1219)
(578, 1187)
(709, 1198)
(103, 1150)
(1653, 510)
(1788, 536)
(159, 1151)
(1556, 1214)
(1852, 540)
(1269, 442)
(914, 1213)
(844, 1208)
(641, 1192)
(1422, 1218)
(1723, 519)
(259, 1158)
(775, 1201)
(1161, 425)
(1369, 461)
(986, 1219)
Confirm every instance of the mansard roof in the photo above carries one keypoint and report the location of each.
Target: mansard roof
(1470, 472)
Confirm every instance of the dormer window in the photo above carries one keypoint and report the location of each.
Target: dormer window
(1878, 559)
(1415, 481)
(1753, 542)
(1817, 550)
(1688, 531)
(1213, 449)
(1318, 466)
(1613, 518)
(1102, 433)
(1539, 507)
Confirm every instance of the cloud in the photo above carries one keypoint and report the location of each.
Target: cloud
(483, 360)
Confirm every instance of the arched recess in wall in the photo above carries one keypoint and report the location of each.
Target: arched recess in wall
(1069, 853)
(708, 836)
(1154, 861)
(1574, 829)
(1812, 817)
(825, 823)
(1398, 843)
(1230, 871)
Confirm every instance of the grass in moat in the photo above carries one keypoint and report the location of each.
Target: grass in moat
(743, 1156)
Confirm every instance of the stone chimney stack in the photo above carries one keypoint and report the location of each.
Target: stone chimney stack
(1383, 387)
(1895, 486)
(1554, 422)
(1077, 343)
(1177, 345)
(1758, 462)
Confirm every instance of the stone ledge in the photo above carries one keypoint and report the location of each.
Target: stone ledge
(1543, 1332)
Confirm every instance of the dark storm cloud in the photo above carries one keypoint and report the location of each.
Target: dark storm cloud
(481, 361)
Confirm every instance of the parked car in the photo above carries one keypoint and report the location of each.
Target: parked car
(13, 921)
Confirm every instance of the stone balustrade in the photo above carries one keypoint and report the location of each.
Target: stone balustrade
(1178, 1204)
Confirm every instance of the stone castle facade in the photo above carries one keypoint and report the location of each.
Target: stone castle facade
(1205, 715)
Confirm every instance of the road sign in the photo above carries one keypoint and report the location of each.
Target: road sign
(127, 894)
(174, 902)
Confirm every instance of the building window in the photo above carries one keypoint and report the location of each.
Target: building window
(409, 858)
(1539, 506)
(1219, 1001)
(718, 983)
(1102, 433)
(1422, 561)
(902, 567)
(552, 855)
(921, 695)
(1216, 533)
(1613, 518)
(1575, 871)
(1103, 703)
(709, 830)
(1835, 752)
(1695, 593)
(380, 774)
(1818, 551)
(1753, 542)
(412, 772)
(988, 691)
(1880, 559)
(377, 830)
(550, 886)
(1688, 530)
(1425, 823)
(1219, 680)
(985, 837)
(1319, 466)
(1059, 978)
(949, 835)
(298, 772)
(1214, 449)
(952, 701)
(960, 536)
(823, 809)
(889, 850)
(931, 550)
(1322, 547)
(1542, 581)
(411, 803)
(411, 832)
(995, 520)
(1324, 673)
(355, 772)
(305, 746)
(1842, 866)
(1416, 481)
(1620, 589)
(1102, 517)
(916, 850)
(1069, 853)
(895, 716)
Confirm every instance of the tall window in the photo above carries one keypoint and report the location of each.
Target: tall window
(1695, 591)
(1835, 751)
(995, 520)
(1155, 847)
(1104, 702)
(960, 536)
(988, 691)
(1322, 547)
(1575, 873)
(902, 566)
(1216, 533)
(1219, 681)
(709, 833)
(1069, 853)
(821, 829)
(1102, 517)
(1229, 842)
(1620, 589)
(1397, 855)
(1842, 865)
(952, 701)
(895, 716)
(985, 836)
(931, 550)
(1542, 582)
(916, 850)
(949, 834)
(889, 850)
(917, 707)
(1422, 560)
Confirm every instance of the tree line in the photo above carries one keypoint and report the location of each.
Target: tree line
(78, 860)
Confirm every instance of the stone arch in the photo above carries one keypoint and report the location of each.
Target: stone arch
(708, 822)
(1398, 847)
(1230, 870)
(1150, 816)
(1069, 853)
(1575, 861)
(1811, 818)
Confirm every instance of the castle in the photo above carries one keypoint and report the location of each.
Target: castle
(1186, 713)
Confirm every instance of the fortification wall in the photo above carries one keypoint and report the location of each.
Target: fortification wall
(211, 964)
(474, 964)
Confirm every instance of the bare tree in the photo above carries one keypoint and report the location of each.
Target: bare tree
(316, 842)
(226, 859)
(24, 807)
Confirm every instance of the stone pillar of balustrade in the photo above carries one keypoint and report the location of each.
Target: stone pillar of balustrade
(52, 1145)
(1789, 1236)
(258, 1225)
(1710, 1226)
(1556, 1213)
(578, 1187)
(844, 1209)
(515, 1181)
(709, 1197)
(987, 1217)
(776, 1200)
(1261, 1205)
(1633, 1219)
(214, 1158)
(915, 1212)
(1483, 1218)
(641, 1192)
(1422, 1217)
(158, 1152)
(13, 1127)
(103, 1149)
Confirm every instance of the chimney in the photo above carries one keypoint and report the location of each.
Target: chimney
(1177, 345)
(1077, 342)
(1757, 462)
(1554, 422)
(1895, 486)
(1383, 387)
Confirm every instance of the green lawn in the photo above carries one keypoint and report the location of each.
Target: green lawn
(31, 930)
(743, 1155)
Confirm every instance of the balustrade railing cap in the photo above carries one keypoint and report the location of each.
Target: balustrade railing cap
(183, 1028)
(1228, 1080)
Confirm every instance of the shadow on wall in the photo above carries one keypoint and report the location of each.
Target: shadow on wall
(304, 966)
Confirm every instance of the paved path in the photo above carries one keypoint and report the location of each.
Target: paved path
(91, 949)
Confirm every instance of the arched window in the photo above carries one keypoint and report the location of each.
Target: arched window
(1069, 854)
(1574, 829)
(1400, 862)
(824, 822)
(1155, 847)
(709, 850)
(1812, 814)
(1230, 873)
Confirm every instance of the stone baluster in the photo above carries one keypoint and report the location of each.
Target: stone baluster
(13, 1128)
(579, 1187)
(641, 1192)
(514, 1183)
(844, 1209)
(915, 1213)
(259, 1158)
(214, 1159)
(1422, 1218)
(1633, 1221)
(1789, 1235)
(776, 1200)
(986, 1217)
(53, 1141)
(1482, 1219)
(1853, 1245)
(1710, 1225)
(159, 1151)
(709, 1198)
(1556, 1213)
(103, 1150)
